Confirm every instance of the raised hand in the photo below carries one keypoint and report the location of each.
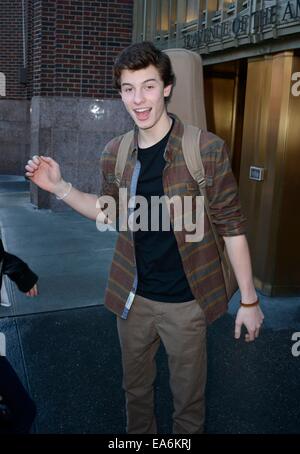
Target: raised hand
(44, 172)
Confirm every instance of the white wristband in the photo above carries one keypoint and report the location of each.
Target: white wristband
(66, 193)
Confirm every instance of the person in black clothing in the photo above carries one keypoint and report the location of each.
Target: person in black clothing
(17, 271)
(17, 409)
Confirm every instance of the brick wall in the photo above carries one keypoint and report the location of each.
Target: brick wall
(11, 45)
(70, 49)
(75, 52)
(70, 46)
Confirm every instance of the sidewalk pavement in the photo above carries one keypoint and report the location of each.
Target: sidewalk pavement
(64, 344)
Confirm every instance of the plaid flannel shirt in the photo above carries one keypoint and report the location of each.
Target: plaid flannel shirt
(200, 260)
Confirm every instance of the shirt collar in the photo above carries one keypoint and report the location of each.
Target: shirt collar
(174, 139)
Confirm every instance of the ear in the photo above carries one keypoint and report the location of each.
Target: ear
(167, 90)
(121, 94)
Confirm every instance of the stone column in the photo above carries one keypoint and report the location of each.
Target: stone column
(74, 132)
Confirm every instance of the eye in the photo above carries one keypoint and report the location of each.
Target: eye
(126, 90)
(149, 87)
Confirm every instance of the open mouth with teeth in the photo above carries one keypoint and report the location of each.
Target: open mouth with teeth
(142, 113)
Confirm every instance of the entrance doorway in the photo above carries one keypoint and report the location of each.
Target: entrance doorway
(224, 89)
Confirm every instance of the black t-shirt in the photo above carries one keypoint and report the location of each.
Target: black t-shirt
(160, 272)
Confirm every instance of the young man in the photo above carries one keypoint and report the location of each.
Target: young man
(160, 286)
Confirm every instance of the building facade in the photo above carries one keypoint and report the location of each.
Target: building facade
(56, 99)
(56, 94)
(251, 65)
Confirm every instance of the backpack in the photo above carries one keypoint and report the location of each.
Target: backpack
(192, 113)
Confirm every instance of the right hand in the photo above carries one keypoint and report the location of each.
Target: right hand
(45, 173)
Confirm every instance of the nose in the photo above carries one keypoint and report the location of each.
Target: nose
(138, 96)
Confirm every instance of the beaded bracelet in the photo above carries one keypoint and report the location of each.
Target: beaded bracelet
(66, 193)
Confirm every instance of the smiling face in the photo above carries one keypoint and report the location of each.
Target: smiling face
(143, 94)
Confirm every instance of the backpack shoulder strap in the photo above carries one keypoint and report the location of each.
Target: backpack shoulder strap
(122, 155)
(192, 156)
(191, 153)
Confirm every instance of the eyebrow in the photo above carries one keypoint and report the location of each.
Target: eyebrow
(144, 82)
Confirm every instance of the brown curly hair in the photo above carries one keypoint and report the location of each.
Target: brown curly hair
(140, 56)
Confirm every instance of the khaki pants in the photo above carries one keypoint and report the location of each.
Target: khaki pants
(182, 329)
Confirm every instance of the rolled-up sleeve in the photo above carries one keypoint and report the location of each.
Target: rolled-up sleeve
(223, 197)
(108, 187)
(107, 176)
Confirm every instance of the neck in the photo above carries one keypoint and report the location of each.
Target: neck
(149, 137)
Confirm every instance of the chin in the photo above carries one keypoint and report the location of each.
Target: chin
(148, 124)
